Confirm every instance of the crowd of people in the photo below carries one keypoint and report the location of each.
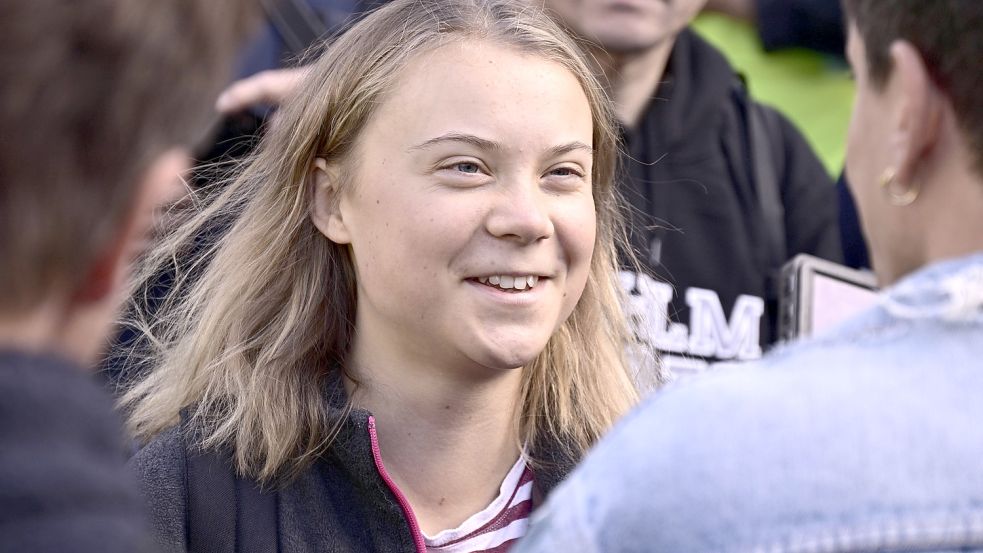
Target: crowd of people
(441, 261)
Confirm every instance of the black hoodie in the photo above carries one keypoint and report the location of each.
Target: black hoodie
(698, 225)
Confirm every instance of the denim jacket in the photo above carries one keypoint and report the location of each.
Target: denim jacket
(869, 438)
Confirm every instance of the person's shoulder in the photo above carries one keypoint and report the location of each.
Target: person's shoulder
(62, 462)
(162, 460)
(160, 470)
(694, 455)
(744, 391)
(732, 417)
(55, 386)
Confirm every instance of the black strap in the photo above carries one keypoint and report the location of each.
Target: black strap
(763, 132)
(227, 513)
(211, 504)
(763, 123)
(256, 513)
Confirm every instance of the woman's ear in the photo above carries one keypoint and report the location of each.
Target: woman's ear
(327, 209)
(919, 110)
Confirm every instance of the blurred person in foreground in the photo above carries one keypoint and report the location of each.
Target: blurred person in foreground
(95, 136)
(864, 439)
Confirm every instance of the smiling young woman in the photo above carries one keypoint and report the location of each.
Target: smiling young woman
(412, 329)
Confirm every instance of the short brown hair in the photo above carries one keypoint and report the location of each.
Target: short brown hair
(90, 93)
(949, 36)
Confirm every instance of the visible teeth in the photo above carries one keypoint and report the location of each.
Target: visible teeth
(507, 282)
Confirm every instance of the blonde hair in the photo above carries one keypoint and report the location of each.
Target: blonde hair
(262, 317)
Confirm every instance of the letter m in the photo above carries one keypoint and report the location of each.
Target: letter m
(711, 335)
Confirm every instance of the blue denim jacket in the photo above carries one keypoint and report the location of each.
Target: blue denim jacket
(869, 438)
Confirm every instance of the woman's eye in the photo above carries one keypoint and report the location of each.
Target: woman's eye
(566, 172)
(467, 167)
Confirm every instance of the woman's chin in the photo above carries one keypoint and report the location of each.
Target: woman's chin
(512, 357)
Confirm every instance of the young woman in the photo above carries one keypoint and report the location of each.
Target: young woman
(412, 328)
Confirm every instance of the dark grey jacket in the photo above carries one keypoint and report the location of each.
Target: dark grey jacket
(63, 484)
(339, 504)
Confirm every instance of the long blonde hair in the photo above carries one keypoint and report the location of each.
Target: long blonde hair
(262, 316)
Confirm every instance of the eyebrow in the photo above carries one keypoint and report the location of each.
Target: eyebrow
(485, 144)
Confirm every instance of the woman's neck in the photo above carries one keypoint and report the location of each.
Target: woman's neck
(447, 442)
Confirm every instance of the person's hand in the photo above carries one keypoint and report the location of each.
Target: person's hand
(740, 9)
(266, 87)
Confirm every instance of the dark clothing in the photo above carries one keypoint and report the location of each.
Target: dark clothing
(814, 24)
(817, 25)
(63, 483)
(855, 252)
(698, 217)
(341, 503)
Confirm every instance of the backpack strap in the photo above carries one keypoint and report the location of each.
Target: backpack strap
(256, 514)
(763, 126)
(212, 505)
(226, 512)
(763, 129)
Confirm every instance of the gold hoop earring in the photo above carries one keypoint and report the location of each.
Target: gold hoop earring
(902, 199)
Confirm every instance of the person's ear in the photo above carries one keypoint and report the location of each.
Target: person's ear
(160, 184)
(919, 109)
(327, 209)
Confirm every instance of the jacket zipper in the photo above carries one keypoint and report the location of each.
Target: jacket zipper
(421, 547)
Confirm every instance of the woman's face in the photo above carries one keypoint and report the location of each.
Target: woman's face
(471, 217)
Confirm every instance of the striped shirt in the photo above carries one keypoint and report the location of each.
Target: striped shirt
(497, 527)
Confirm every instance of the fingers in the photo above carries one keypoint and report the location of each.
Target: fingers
(266, 87)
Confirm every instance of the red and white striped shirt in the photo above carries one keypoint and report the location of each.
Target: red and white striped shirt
(497, 527)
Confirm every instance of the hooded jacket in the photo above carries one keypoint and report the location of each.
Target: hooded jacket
(695, 181)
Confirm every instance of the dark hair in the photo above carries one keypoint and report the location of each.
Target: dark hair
(91, 92)
(949, 36)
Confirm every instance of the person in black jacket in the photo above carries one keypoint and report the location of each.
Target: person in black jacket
(93, 144)
(723, 190)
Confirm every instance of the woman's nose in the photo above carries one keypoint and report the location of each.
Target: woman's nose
(521, 214)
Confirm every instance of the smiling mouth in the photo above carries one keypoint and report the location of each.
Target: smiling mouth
(508, 283)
